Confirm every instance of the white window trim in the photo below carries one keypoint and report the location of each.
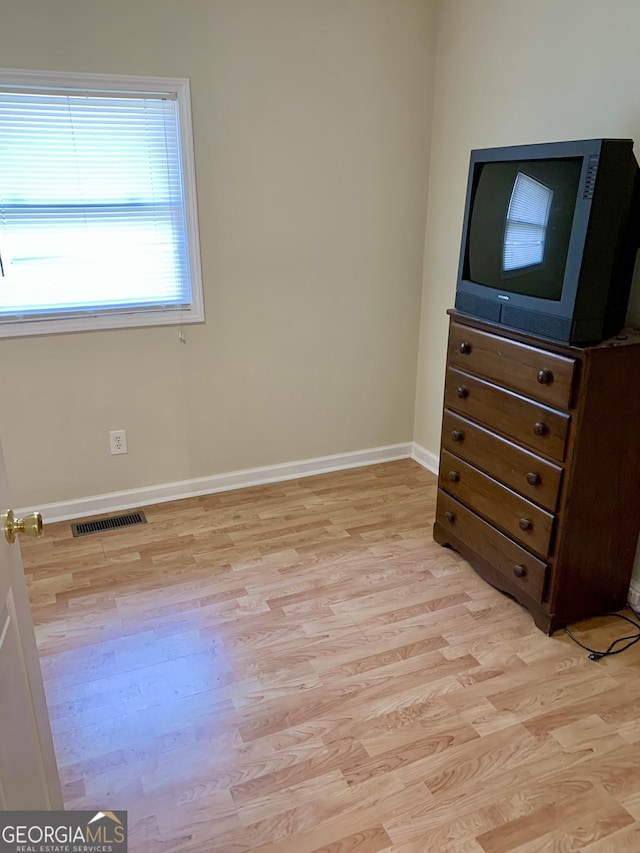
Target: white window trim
(23, 79)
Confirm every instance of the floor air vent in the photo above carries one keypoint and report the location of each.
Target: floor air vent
(113, 522)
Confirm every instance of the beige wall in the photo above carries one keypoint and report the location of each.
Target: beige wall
(508, 72)
(311, 123)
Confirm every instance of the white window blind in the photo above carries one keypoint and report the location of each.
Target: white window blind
(93, 218)
(526, 225)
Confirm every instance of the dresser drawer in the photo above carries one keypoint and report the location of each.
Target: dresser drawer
(533, 372)
(515, 515)
(522, 572)
(539, 427)
(530, 475)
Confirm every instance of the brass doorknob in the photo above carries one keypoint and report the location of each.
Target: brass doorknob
(30, 525)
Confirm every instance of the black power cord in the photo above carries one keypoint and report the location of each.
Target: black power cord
(595, 654)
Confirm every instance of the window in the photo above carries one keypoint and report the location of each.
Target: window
(98, 222)
(526, 226)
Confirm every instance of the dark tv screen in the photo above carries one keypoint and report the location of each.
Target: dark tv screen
(520, 225)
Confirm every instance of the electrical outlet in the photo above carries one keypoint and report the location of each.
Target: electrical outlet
(118, 441)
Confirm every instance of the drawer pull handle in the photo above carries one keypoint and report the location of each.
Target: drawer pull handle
(519, 571)
(545, 377)
(533, 479)
(454, 476)
(539, 428)
(462, 392)
(449, 516)
(465, 348)
(456, 435)
(525, 524)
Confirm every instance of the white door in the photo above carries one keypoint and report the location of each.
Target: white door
(28, 770)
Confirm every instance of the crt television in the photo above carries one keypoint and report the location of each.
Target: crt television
(549, 238)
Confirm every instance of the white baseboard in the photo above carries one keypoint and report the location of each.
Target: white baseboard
(425, 458)
(634, 595)
(119, 501)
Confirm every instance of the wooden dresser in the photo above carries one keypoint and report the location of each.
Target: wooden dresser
(539, 483)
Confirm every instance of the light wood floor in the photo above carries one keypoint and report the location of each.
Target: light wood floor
(298, 668)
